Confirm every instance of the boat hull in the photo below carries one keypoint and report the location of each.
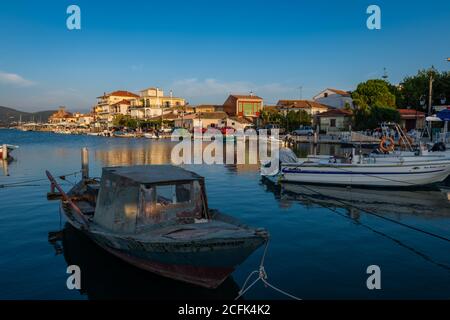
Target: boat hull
(207, 265)
(400, 175)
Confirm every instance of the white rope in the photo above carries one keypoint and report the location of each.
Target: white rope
(262, 275)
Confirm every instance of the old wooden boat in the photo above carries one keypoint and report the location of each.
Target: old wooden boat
(156, 217)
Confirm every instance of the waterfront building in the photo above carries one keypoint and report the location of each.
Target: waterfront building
(238, 123)
(152, 103)
(411, 119)
(334, 98)
(202, 119)
(62, 117)
(205, 108)
(310, 107)
(108, 103)
(334, 120)
(243, 106)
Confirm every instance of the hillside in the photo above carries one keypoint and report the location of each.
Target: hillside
(9, 115)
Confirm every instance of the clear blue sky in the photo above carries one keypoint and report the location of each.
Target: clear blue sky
(204, 50)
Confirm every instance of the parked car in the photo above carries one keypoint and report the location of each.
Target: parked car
(303, 131)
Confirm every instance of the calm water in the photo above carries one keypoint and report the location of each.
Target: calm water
(322, 239)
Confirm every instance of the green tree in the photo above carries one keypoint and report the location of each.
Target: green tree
(373, 93)
(121, 120)
(374, 102)
(415, 88)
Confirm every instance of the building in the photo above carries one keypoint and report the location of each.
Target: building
(243, 105)
(335, 120)
(238, 123)
(108, 103)
(62, 117)
(202, 119)
(204, 108)
(85, 119)
(411, 119)
(334, 98)
(152, 103)
(122, 107)
(311, 107)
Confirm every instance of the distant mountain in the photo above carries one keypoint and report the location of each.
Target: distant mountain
(9, 115)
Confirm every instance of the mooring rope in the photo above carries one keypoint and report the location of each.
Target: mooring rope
(26, 183)
(262, 275)
(370, 212)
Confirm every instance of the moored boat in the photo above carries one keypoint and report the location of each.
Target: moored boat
(156, 217)
(358, 170)
(5, 154)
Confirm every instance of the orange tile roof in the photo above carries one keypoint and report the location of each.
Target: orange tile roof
(124, 101)
(335, 113)
(337, 91)
(120, 93)
(300, 104)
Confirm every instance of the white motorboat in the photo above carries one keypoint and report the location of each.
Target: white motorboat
(151, 136)
(359, 173)
(358, 170)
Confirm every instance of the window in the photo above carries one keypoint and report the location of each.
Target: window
(181, 202)
(333, 123)
(325, 94)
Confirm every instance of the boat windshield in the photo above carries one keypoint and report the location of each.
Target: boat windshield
(181, 202)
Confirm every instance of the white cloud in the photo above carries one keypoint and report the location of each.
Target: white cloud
(14, 79)
(211, 87)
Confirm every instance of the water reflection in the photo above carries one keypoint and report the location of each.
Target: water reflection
(5, 168)
(425, 203)
(106, 277)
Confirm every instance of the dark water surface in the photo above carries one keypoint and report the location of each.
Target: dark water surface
(322, 238)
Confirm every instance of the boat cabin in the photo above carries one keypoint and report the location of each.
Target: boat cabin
(136, 198)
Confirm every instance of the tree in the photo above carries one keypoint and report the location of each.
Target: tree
(372, 117)
(373, 93)
(414, 88)
(291, 121)
(375, 102)
(121, 120)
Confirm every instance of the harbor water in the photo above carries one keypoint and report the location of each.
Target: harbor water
(323, 239)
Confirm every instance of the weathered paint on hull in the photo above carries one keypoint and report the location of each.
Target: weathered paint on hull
(201, 276)
(209, 273)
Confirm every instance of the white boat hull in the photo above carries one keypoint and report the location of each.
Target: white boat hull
(409, 174)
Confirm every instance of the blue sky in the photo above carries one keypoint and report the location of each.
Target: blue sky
(203, 50)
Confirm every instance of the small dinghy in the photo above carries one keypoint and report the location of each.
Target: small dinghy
(156, 217)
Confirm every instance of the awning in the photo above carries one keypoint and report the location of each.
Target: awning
(444, 115)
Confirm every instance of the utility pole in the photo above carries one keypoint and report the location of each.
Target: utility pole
(301, 92)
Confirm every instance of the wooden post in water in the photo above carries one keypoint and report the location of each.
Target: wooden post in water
(5, 152)
(84, 163)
